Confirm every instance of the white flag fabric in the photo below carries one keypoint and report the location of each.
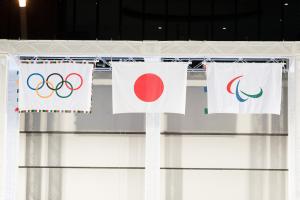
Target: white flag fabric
(150, 87)
(64, 87)
(244, 87)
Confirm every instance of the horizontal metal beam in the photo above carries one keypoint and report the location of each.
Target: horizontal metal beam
(195, 64)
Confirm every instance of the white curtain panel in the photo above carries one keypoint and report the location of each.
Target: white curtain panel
(294, 129)
(10, 122)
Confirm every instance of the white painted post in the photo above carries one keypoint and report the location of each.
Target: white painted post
(11, 134)
(293, 128)
(152, 157)
(152, 151)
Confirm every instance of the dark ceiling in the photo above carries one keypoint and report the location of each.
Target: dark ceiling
(270, 20)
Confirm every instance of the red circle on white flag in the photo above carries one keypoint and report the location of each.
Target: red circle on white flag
(148, 87)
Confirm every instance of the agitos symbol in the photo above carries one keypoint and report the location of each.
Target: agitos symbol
(238, 91)
(52, 87)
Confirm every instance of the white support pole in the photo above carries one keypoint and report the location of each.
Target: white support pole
(152, 151)
(293, 138)
(152, 157)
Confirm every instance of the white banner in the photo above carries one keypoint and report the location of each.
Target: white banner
(149, 87)
(244, 87)
(55, 87)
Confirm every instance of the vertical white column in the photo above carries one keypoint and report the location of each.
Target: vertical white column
(11, 134)
(152, 151)
(3, 117)
(152, 157)
(293, 129)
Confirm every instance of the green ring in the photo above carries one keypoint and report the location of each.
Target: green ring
(59, 85)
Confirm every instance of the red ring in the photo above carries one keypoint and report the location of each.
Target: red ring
(81, 81)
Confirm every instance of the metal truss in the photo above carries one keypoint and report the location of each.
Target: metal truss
(149, 48)
(195, 64)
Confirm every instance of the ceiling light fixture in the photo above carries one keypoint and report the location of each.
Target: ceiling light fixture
(22, 3)
(224, 28)
(286, 4)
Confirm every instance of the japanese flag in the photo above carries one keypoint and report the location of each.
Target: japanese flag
(149, 87)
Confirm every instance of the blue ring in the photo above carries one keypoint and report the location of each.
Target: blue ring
(38, 74)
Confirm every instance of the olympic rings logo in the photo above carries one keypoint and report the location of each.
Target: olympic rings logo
(54, 88)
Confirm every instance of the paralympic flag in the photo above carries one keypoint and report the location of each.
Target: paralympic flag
(63, 87)
(244, 87)
(149, 87)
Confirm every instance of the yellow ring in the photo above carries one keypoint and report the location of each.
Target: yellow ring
(37, 90)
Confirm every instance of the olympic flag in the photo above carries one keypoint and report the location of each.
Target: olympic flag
(150, 87)
(244, 87)
(64, 87)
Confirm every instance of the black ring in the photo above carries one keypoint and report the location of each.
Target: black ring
(57, 88)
